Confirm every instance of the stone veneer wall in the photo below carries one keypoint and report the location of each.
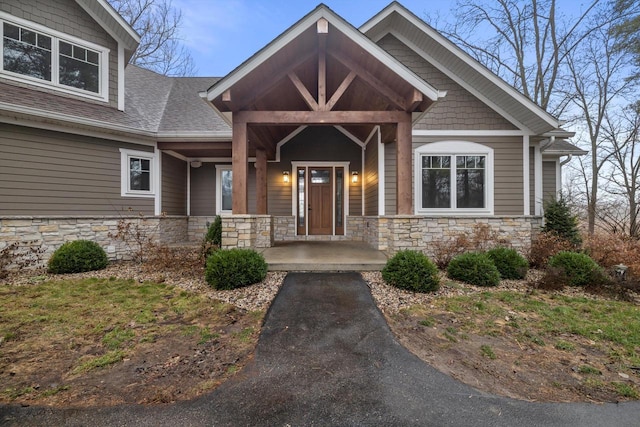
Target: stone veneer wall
(395, 233)
(50, 233)
(247, 231)
(285, 230)
(198, 227)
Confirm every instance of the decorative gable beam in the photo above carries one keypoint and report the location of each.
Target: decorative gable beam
(262, 89)
(415, 101)
(340, 91)
(303, 91)
(322, 67)
(388, 93)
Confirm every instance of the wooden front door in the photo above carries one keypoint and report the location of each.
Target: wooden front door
(320, 205)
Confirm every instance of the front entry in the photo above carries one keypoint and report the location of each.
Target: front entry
(320, 200)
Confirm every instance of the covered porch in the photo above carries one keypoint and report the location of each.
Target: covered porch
(321, 73)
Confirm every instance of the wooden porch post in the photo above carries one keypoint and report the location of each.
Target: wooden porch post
(261, 181)
(239, 159)
(404, 199)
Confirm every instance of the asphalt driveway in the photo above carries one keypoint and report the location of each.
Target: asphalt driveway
(327, 357)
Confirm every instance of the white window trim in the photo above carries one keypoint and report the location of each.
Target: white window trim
(125, 182)
(56, 36)
(219, 169)
(454, 148)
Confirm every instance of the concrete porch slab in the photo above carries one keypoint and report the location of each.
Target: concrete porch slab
(324, 256)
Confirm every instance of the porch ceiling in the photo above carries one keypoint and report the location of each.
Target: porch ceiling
(326, 65)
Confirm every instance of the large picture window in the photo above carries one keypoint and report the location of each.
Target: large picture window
(454, 177)
(44, 56)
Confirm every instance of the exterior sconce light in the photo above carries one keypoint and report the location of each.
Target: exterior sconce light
(285, 177)
(354, 177)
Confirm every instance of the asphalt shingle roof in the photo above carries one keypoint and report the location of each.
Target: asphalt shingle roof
(153, 103)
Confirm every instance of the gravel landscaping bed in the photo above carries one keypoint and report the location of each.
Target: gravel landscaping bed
(391, 299)
(251, 298)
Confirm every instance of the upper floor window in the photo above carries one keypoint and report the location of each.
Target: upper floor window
(454, 177)
(45, 57)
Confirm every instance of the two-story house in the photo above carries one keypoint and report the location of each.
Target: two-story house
(388, 134)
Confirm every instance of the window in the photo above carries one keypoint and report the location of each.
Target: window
(224, 189)
(454, 177)
(45, 57)
(137, 173)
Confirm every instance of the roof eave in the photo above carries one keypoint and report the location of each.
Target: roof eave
(112, 22)
(395, 7)
(564, 152)
(302, 25)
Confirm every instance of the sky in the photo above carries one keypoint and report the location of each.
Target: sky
(222, 34)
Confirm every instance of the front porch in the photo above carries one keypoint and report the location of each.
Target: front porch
(324, 256)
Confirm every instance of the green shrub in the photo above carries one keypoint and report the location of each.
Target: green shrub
(559, 220)
(214, 233)
(78, 256)
(212, 239)
(577, 269)
(510, 264)
(411, 270)
(475, 268)
(234, 268)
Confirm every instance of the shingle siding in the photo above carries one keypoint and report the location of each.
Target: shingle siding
(66, 16)
(174, 185)
(459, 109)
(52, 173)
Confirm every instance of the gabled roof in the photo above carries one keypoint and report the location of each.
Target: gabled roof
(321, 11)
(395, 19)
(112, 22)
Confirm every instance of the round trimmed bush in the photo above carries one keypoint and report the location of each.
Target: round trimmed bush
(78, 256)
(475, 268)
(234, 268)
(510, 264)
(411, 270)
(578, 269)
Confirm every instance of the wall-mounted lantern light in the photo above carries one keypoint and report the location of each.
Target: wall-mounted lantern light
(354, 177)
(285, 177)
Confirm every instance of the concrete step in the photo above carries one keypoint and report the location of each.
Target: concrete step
(324, 256)
(325, 266)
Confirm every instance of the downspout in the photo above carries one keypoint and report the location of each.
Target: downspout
(567, 160)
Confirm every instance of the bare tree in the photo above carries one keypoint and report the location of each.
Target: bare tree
(526, 42)
(569, 65)
(158, 24)
(597, 73)
(623, 135)
(627, 31)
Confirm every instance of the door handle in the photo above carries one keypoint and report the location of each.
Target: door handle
(309, 208)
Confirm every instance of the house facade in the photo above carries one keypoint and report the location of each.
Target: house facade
(387, 134)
